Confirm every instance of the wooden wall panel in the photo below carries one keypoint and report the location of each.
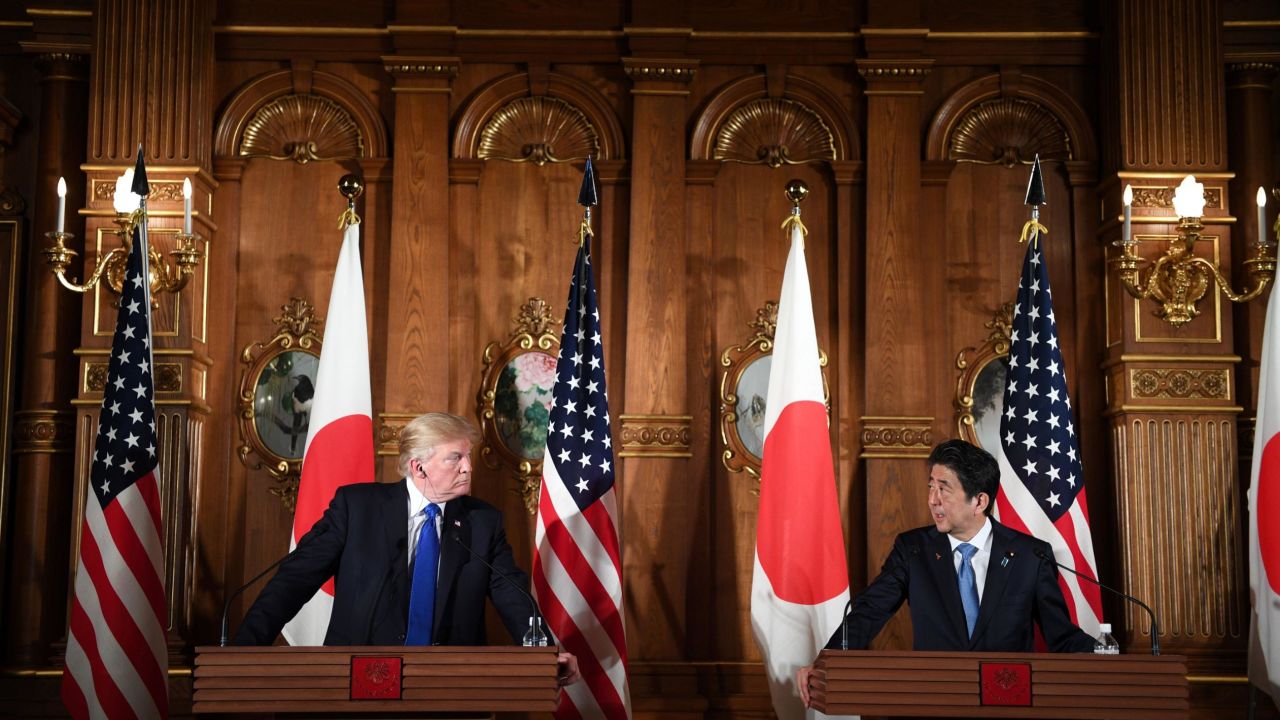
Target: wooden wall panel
(749, 253)
(288, 246)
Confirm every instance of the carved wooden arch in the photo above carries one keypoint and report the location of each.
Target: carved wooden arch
(1041, 92)
(737, 93)
(265, 88)
(495, 95)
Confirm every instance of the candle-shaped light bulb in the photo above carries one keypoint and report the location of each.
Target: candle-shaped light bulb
(186, 206)
(62, 205)
(1128, 215)
(1262, 217)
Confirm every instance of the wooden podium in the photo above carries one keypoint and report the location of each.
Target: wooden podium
(359, 681)
(1000, 685)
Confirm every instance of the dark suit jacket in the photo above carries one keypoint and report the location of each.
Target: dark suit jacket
(361, 541)
(1020, 589)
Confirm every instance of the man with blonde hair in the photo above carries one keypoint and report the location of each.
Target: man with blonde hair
(406, 556)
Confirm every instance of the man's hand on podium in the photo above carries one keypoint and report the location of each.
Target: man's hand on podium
(568, 668)
(802, 682)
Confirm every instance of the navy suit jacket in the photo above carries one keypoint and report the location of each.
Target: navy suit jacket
(1020, 590)
(362, 542)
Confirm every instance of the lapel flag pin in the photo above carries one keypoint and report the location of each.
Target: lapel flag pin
(937, 556)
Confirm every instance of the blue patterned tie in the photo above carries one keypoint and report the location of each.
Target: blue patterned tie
(968, 585)
(422, 598)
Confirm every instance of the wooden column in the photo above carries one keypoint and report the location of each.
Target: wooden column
(1251, 150)
(897, 427)
(417, 354)
(44, 422)
(1172, 402)
(653, 430)
(151, 84)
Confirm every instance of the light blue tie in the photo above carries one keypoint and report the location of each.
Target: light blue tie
(968, 585)
(422, 596)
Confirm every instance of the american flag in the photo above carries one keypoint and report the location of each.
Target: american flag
(577, 568)
(1042, 482)
(117, 661)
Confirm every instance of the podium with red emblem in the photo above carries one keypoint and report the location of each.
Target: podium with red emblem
(357, 681)
(1000, 685)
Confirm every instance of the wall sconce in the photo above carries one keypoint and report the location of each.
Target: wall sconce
(111, 267)
(1179, 279)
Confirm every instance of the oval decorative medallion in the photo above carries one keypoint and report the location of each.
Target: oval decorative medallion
(1008, 132)
(302, 128)
(538, 130)
(774, 133)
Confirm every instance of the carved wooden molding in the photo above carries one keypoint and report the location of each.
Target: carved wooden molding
(421, 67)
(266, 88)
(671, 70)
(168, 377)
(743, 91)
(1049, 96)
(895, 69)
(104, 189)
(669, 436)
(774, 132)
(896, 437)
(43, 431)
(493, 97)
(1180, 383)
(302, 128)
(1008, 132)
(387, 436)
(1162, 196)
(538, 130)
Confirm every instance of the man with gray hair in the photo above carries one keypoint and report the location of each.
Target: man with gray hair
(406, 556)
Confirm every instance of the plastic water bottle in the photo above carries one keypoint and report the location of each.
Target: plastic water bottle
(1106, 643)
(535, 637)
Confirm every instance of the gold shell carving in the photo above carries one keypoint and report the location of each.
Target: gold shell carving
(1009, 131)
(538, 130)
(774, 133)
(302, 128)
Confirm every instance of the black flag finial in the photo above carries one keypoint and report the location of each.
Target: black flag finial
(1035, 186)
(587, 195)
(140, 184)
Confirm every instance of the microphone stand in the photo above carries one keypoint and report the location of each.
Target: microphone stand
(533, 605)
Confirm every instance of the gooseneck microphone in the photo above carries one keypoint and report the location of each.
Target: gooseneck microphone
(844, 625)
(226, 609)
(533, 605)
(1155, 626)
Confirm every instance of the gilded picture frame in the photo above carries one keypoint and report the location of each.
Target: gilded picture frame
(980, 383)
(277, 385)
(744, 391)
(514, 400)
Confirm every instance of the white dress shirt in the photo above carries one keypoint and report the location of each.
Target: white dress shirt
(981, 559)
(417, 518)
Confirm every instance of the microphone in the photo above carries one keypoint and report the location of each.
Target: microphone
(533, 605)
(226, 609)
(1155, 627)
(844, 625)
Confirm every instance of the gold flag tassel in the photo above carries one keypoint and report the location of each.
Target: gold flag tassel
(794, 219)
(1031, 230)
(348, 218)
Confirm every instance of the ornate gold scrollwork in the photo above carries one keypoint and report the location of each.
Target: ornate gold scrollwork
(1008, 132)
(276, 388)
(655, 436)
(744, 385)
(514, 399)
(538, 130)
(302, 128)
(982, 375)
(775, 133)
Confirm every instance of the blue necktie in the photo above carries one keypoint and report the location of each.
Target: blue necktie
(422, 598)
(968, 585)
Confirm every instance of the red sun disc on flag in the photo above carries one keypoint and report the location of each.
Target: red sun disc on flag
(1268, 494)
